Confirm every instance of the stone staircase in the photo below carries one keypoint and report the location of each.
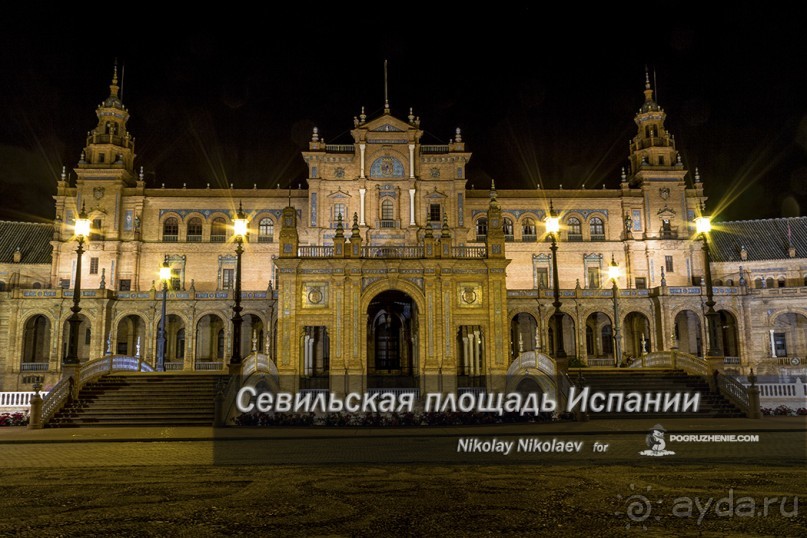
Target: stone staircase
(145, 399)
(646, 380)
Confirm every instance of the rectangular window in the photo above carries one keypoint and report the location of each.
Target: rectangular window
(641, 283)
(95, 231)
(542, 276)
(176, 279)
(434, 212)
(668, 262)
(125, 284)
(101, 157)
(64, 283)
(227, 278)
(780, 344)
(93, 266)
(340, 209)
(593, 277)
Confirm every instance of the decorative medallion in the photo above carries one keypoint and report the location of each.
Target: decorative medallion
(664, 192)
(98, 192)
(470, 294)
(340, 172)
(315, 295)
(435, 173)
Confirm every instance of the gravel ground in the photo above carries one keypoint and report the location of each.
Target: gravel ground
(399, 500)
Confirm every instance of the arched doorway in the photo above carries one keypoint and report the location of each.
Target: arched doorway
(728, 334)
(637, 334)
(569, 340)
(789, 336)
(528, 386)
(523, 333)
(84, 338)
(176, 343)
(210, 342)
(131, 333)
(392, 336)
(688, 333)
(599, 339)
(36, 344)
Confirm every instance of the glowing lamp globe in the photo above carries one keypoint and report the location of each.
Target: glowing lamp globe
(552, 225)
(82, 228)
(703, 225)
(165, 272)
(613, 270)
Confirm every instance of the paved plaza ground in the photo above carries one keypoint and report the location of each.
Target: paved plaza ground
(391, 482)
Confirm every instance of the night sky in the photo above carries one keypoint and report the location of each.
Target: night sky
(542, 98)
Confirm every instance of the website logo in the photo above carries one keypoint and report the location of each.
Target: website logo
(656, 446)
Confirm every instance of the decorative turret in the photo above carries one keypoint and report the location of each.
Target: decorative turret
(339, 238)
(109, 145)
(495, 236)
(289, 239)
(355, 238)
(652, 150)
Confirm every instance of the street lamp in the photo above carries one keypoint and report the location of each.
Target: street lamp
(239, 231)
(81, 231)
(614, 274)
(165, 276)
(703, 225)
(552, 228)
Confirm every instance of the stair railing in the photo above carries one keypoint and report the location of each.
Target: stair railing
(59, 395)
(673, 359)
(739, 395)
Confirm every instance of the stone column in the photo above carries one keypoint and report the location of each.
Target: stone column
(362, 193)
(411, 161)
(412, 207)
(361, 160)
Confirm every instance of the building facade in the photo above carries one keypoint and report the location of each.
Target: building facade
(388, 270)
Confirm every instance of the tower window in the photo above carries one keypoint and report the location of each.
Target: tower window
(95, 231)
(528, 230)
(218, 230)
(575, 229)
(434, 212)
(195, 230)
(93, 266)
(170, 230)
(481, 228)
(266, 230)
(597, 228)
(101, 157)
(668, 263)
(339, 209)
(507, 228)
(387, 210)
(661, 160)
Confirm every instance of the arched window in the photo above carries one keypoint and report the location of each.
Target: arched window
(218, 230)
(387, 211)
(597, 229)
(729, 282)
(266, 230)
(220, 344)
(180, 350)
(757, 283)
(805, 280)
(718, 282)
(170, 230)
(528, 230)
(481, 228)
(195, 230)
(37, 285)
(781, 283)
(769, 282)
(575, 229)
(507, 228)
(2, 286)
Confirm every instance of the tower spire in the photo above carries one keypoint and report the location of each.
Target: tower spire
(386, 89)
(114, 88)
(648, 91)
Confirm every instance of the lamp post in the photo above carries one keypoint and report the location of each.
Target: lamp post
(613, 274)
(552, 228)
(81, 232)
(165, 276)
(703, 225)
(240, 231)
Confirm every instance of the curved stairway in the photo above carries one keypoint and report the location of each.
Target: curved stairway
(143, 399)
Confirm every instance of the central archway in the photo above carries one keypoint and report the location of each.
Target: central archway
(392, 334)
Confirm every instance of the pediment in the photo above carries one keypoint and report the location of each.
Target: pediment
(387, 124)
(339, 194)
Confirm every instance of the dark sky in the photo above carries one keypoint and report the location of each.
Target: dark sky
(542, 97)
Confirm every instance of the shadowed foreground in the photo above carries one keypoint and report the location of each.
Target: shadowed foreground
(557, 500)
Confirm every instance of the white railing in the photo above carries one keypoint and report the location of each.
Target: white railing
(783, 390)
(731, 360)
(314, 251)
(87, 372)
(391, 252)
(469, 252)
(673, 359)
(735, 391)
(34, 367)
(396, 391)
(174, 366)
(599, 362)
(531, 359)
(16, 400)
(209, 365)
(259, 362)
